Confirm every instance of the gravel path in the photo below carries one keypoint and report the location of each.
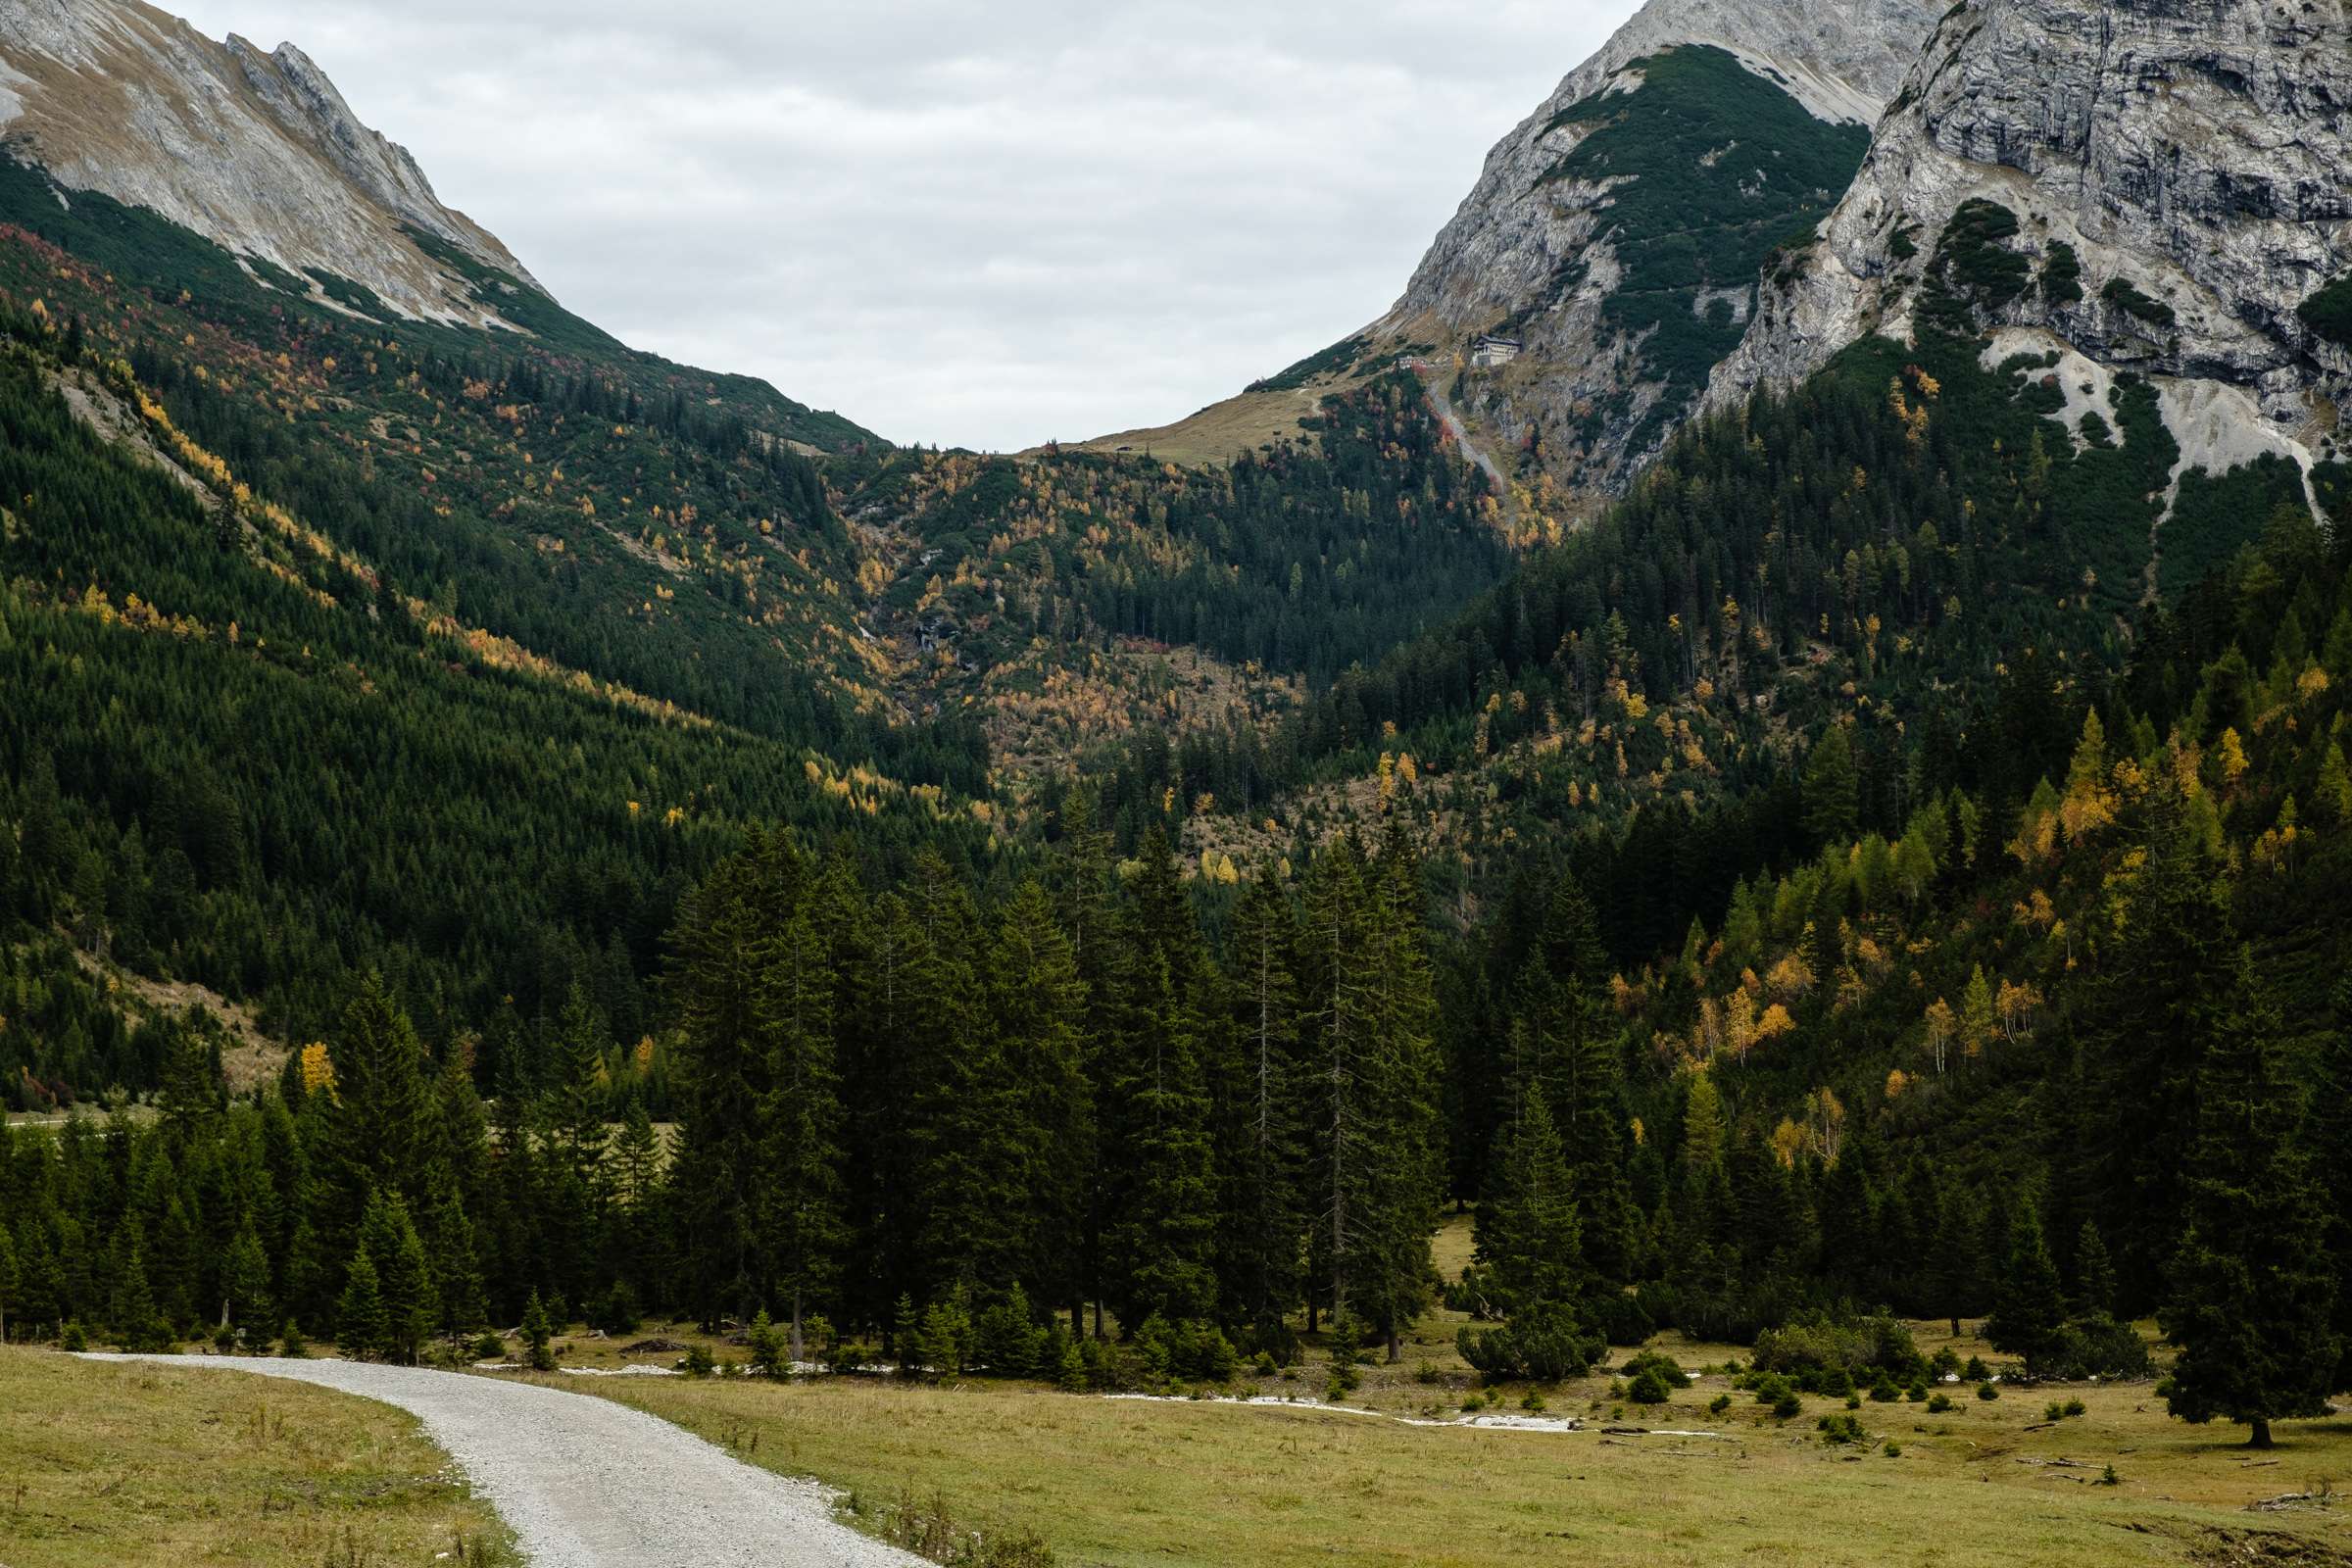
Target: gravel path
(589, 1483)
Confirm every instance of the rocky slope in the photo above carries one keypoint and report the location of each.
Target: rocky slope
(1614, 233)
(2150, 186)
(258, 152)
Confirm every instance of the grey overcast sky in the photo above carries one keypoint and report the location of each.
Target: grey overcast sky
(972, 225)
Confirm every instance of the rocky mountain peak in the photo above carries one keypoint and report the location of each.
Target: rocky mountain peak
(2161, 187)
(1757, 126)
(256, 150)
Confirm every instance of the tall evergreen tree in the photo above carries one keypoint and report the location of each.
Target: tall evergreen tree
(2252, 1298)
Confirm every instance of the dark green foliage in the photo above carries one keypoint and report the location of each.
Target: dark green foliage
(538, 1337)
(2328, 312)
(2215, 515)
(1717, 163)
(1547, 1342)
(1975, 257)
(2061, 275)
(1335, 360)
(2252, 1298)
(2119, 293)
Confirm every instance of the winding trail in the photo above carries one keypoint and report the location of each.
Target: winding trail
(585, 1483)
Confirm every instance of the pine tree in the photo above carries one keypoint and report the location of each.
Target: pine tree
(1160, 1231)
(1037, 1009)
(1265, 1158)
(1832, 789)
(388, 1241)
(245, 1282)
(2029, 1312)
(2158, 983)
(2253, 1295)
(360, 1327)
(576, 1103)
(1527, 1229)
(10, 1275)
(800, 1153)
(538, 1338)
(2095, 1273)
(377, 1131)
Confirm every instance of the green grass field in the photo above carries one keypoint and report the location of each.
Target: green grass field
(1125, 1483)
(104, 1465)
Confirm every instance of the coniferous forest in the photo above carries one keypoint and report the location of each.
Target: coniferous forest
(1826, 891)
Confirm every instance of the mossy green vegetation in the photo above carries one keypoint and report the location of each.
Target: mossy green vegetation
(2215, 515)
(1709, 163)
(2328, 312)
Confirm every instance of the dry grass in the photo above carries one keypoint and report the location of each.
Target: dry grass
(104, 1464)
(1223, 431)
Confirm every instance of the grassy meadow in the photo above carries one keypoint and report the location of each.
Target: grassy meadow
(1125, 1483)
(105, 1464)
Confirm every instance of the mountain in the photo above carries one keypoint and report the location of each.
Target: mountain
(257, 152)
(1606, 258)
(2138, 189)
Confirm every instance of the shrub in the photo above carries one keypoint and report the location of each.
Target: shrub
(698, 1362)
(1833, 1350)
(2074, 1407)
(1786, 1406)
(1667, 1369)
(537, 1336)
(1917, 1393)
(74, 1339)
(1893, 1450)
(766, 1349)
(1720, 1403)
(489, 1347)
(290, 1343)
(1938, 1402)
(1883, 1391)
(616, 1311)
(1533, 1402)
(1547, 1342)
(1853, 1401)
(1649, 1387)
(1986, 1392)
(1976, 1371)
(2329, 313)
(1837, 1429)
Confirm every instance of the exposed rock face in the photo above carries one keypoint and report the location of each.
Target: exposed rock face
(258, 152)
(1540, 256)
(2191, 154)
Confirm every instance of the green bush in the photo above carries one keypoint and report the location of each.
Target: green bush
(1938, 1402)
(1547, 1342)
(1786, 1406)
(1986, 1392)
(2329, 313)
(1718, 1405)
(1649, 1387)
(1841, 1429)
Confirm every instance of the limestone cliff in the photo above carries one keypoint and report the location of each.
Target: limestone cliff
(257, 152)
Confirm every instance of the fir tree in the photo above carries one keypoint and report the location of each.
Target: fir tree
(360, 1327)
(2030, 1309)
(388, 1241)
(2252, 1293)
(801, 1150)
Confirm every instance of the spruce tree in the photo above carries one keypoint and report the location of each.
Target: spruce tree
(389, 1241)
(1037, 1007)
(2253, 1295)
(1527, 1228)
(2162, 966)
(376, 1131)
(800, 1201)
(245, 1282)
(2095, 1273)
(2029, 1312)
(360, 1327)
(10, 1278)
(1264, 1167)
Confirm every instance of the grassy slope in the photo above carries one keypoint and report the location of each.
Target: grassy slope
(109, 1464)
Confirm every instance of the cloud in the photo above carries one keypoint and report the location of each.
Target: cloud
(977, 225)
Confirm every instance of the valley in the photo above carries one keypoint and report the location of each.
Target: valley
(1750, 781)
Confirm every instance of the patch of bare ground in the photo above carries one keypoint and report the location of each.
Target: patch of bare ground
(249, 1055)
